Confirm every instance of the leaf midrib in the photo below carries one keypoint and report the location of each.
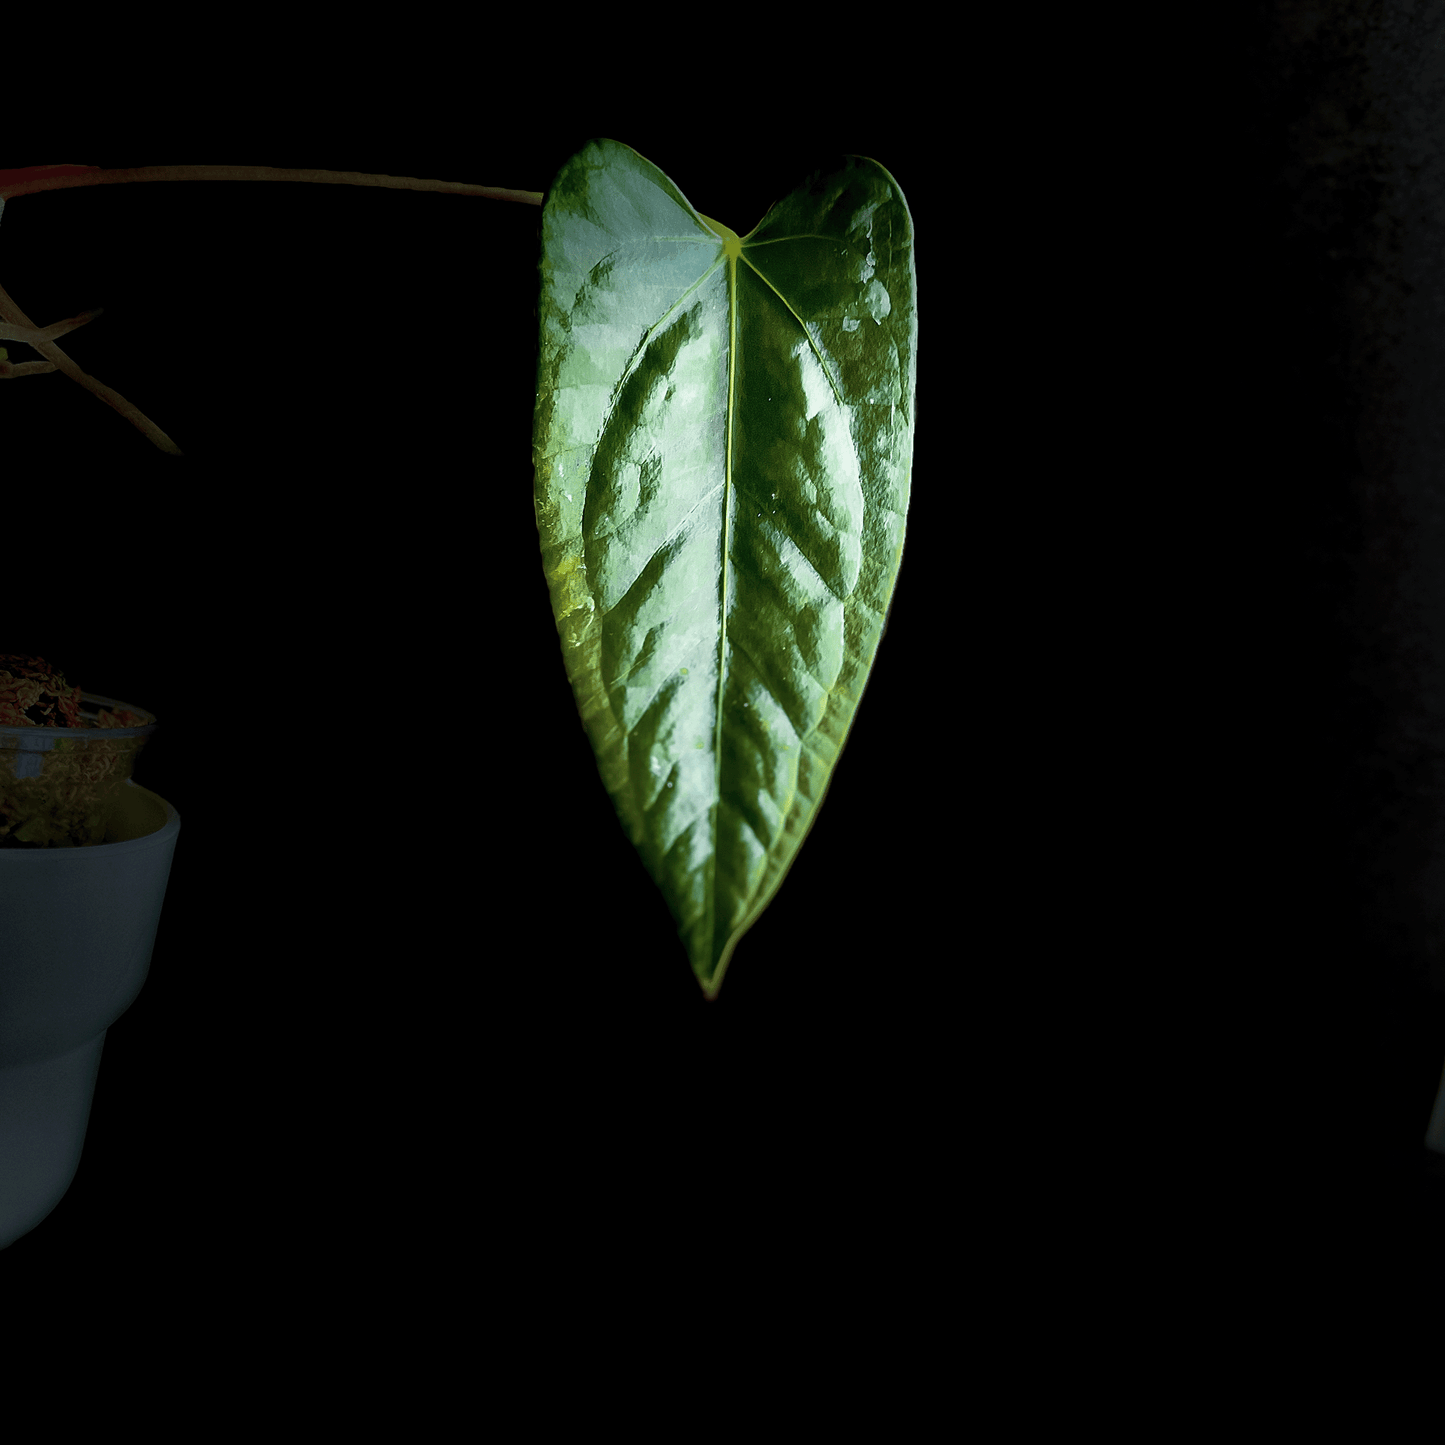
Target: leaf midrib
(712, 891)
(732, 265)
(636, 360)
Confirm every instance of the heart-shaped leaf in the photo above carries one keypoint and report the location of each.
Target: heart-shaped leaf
(723, 443)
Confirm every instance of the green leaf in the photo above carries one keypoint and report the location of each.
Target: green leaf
(723, 444)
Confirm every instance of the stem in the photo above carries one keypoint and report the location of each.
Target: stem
(57, 360)
(34, 179)
(60, 178)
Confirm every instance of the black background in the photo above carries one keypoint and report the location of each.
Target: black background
(1125, 902)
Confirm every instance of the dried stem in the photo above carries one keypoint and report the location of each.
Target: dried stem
(15, 325)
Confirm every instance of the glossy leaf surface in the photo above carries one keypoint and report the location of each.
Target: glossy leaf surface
(723, 443)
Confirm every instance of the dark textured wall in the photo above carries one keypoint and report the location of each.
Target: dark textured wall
(1401, 597)
(1355, 95)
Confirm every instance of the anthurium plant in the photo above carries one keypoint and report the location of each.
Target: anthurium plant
(722, 448)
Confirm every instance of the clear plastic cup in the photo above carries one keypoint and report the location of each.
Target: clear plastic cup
(57, 785)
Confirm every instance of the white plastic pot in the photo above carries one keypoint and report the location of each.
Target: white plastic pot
(77, 926)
